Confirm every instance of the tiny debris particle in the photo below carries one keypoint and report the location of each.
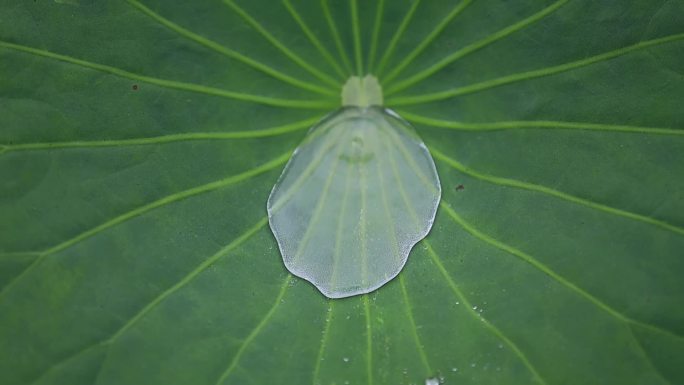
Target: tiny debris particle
(459, 187)
(135, 87)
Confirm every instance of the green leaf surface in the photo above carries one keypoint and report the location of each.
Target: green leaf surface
(139, 141)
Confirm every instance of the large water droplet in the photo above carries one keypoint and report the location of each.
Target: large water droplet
(359, 192)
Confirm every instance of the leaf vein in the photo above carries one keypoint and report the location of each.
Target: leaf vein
(144, 209)
(489, 326)
(546, 270)
(324, 340)
(431, 70)
(522, 76)
(280, 46)
(389, 51)
(532, 124)
(372, 51)
(163, 139)
(172, 84)
(555, 193)
(255, 332)
(356, 32)
(158, 299)
(313, 39)
(452, 285)
(336, 35)
(429, 39)
(192, 36)
(407, 301)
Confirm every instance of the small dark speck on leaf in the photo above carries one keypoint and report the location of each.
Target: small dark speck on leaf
(459, 187)
(135, 87)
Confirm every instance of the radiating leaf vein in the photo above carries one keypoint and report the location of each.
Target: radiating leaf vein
(452, 285)
(398, 184)
(192, 136)
(398, 33)
(161, 297)
(533, 124)
(255, 332)
(356, 31)
(377, 24)
(467, 305)
(431, 70)
(514, 78)
(549, 272)
(324, 340)
(146, 208)
(558, 194)
(314, 40)
(231, 53)
(411, 56)
(172, 84)
(336, 35)
(282, 47)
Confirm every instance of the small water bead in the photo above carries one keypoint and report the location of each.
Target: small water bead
(345, 359)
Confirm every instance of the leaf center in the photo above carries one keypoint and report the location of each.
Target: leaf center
(362, 92)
